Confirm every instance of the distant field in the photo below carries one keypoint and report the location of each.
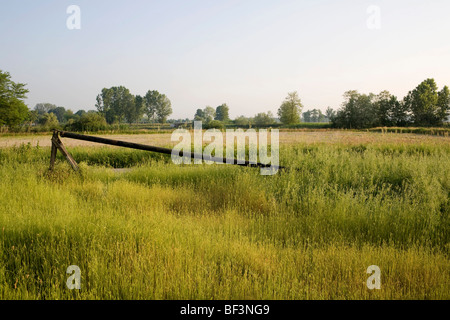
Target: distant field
(286, 138)
(161, 231)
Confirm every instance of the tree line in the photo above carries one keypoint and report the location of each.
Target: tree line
(114, 105)
(117, 104)
(425, 105)
(289, 113)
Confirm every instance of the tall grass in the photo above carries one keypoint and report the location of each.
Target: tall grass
(438, 131)
(162, 231)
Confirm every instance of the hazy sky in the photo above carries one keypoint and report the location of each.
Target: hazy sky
(248, 54)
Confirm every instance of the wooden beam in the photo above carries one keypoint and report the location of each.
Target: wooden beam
(53, 152)
(138, 146)
(57, 143)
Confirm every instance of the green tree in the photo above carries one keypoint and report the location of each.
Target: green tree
(222, 113)
(135, 113)
(163, 109)
(386, 107)
(357, 111)
(157, 106)
(150, 102)
(124, 101)
(91, 122)
(43, 108)
(242, 121)
(209, 114)
(307, 116)
(134, 109)
(443, 104)
(88, 121)
(199, 115)
(314, 115)
(80, 113)
(13, 110)
(427, 104)
(215, 124)
(59, 113)
(401, 115)
(114, 102)
(104, 104)
(263, 119)
(291, 108)
(49, 120)
(33, 116)
(322, 117)
(330, 114)
(69, 115)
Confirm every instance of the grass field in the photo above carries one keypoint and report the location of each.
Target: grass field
(161, 231)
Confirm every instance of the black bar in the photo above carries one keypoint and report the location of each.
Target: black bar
(139, 146)
(279, 309)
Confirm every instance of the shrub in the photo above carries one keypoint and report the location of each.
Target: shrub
(87, 122)
(215, 124)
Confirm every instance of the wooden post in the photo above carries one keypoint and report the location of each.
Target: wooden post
(53, 152)
(58, 145)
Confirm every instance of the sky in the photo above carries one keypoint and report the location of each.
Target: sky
(247, 54)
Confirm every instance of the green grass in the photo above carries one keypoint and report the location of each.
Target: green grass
(162, 231)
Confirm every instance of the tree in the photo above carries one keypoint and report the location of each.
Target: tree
(68, 115)
(150, 102)
(357, 111)
(385, 108)
(215, 124)
(222, 113)
(428, 106)
(290, 110)
(163, 109)
(80, 113)
(314, 115)
(443, 104)
(263, 119)
(43, 108)
(124, 101)
(89, 121)
(114, 102)
(135, 113)
(199, 115)
(157, 105)
(242, 121)
(400, 113)
(59, 113)
(33, 116)
(49, 120)
(13, 110)
(307, 116)
(209, 114)
(134, 109)
(103, 104)
(330, 114)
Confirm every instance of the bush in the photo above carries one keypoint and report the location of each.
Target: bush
(215, 124)
(87, 122)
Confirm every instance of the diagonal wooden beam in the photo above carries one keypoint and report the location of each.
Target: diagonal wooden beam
(58, 145)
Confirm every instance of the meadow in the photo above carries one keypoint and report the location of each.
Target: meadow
(163, 231)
